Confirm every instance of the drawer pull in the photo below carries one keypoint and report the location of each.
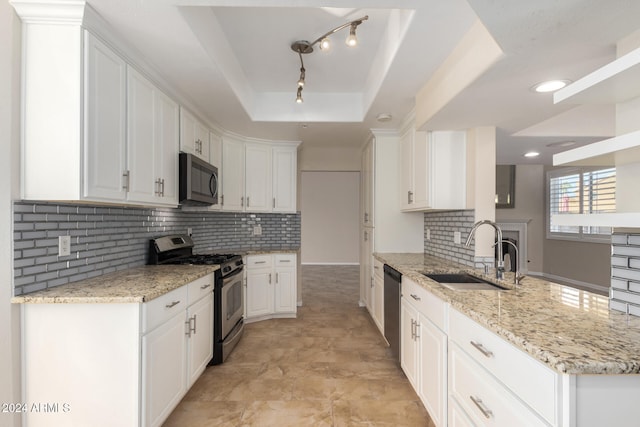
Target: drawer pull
(173, 304)
(482, 349)
(285, 260)
(205, 286)
(415, 297)
(260, 262)
(482, 407)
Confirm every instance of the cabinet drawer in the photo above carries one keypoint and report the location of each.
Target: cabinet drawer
(482, 397)
(285, 260)
(259, 261)
(199, 288)
(161, 309)
(529, 379)
(428, 304)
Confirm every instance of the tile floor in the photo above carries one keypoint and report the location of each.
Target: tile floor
(328, 367)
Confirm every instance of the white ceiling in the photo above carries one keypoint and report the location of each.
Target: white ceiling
(231, 62)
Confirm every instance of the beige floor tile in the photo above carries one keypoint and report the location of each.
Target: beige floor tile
(328, 367)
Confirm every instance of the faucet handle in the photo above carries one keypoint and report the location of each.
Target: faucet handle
(487, 267)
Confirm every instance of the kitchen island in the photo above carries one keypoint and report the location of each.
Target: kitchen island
(571, 360)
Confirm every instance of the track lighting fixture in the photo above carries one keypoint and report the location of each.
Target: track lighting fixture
(304, 47)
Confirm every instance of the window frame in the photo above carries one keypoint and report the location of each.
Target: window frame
(580, 236)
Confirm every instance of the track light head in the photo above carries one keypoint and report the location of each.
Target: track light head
(299, 95)
(352, 40)
(325, 44)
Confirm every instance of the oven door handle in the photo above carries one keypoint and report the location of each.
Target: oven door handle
(232, 275)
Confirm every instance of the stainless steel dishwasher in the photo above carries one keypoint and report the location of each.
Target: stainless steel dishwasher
(392, 280)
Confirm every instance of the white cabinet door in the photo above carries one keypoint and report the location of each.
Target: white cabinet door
(258, 178)
(200, 349)
(284, 179)
(164, 368)
(194, 136)
(104, 169)
(152, 143)
(408, 345)
(232, 174)
(421, 170)
(447, 166)
(167, 145)
(259, 292)
(215, 151)
(378, 297)
(366, 273)
(406, 170)
(367, 184)
(285, 289)
(432, 384)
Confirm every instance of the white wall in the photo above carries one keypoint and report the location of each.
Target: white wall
(330, 217)
(9, 161)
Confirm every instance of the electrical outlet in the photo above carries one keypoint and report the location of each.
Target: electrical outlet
(456, 237)
(428, 234)
(189, 231)
(64, 245)
(257, 230)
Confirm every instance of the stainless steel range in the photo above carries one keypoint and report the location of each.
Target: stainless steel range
(228, 300)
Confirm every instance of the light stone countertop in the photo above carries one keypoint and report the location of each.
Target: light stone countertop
(569, 330)
(134, 285)
(248, 251)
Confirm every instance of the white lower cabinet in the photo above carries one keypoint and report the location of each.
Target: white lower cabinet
(377, 295)
(271, 287)
(424, 347)
(139, 358)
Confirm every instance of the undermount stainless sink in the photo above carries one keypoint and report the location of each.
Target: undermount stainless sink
(463, 282)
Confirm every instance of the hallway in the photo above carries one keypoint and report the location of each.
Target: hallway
(328, 367)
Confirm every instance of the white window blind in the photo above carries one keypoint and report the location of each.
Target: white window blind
(575, 191)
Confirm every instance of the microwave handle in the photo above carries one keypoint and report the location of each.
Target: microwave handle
(213, 184)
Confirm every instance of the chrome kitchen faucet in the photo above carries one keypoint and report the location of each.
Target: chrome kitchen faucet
(500, 266)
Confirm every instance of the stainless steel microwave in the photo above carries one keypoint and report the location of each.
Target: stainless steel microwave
(198, 181)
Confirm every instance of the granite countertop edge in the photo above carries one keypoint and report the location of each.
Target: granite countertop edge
(133, 285)
(584, 340)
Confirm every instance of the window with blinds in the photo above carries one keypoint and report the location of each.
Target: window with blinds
(575, 191)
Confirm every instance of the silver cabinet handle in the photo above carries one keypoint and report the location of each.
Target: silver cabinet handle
(247, 201)
(366, 217)
(481, 406)
(366, 236)
(413, 330)
(415, 297)
(274, 203)
(409, 197)
(125, 186)
(162, 187)
(260, 262)
(285, 260)
(172, 304)
(481, 349)
(372, 282)
(205, 286)
(158, 187)
(222, 200)
(416, 334)
(276, 277)
(194, 323)
(269, 278)
(242, 201)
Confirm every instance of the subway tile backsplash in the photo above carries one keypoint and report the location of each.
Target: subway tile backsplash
(441, 225)
(625, 273)
(106, 239)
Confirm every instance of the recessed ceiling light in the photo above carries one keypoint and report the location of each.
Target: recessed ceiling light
(562, 144)
(384, 117)
(550, 86)
(531, 154)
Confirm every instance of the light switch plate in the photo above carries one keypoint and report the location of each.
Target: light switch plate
(64, 245)
(456, 237)
(257, 230)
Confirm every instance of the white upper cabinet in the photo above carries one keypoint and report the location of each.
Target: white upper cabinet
(258, 177)
(285, 171)
(215, 151)
(232, 197)
(92, 131)
(194, 136)
(152, 133)
(105, 172)
(433, 172)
